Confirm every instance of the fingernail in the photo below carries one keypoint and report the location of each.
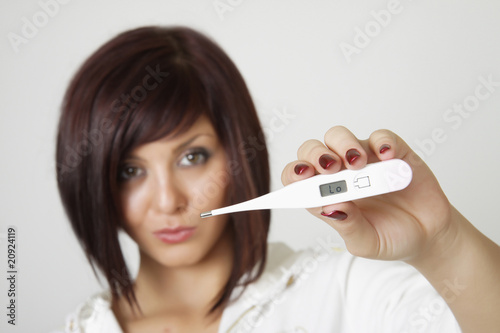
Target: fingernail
(300, 168)
(384, 148)
(336, 215)
(326, 161)
(352, 155)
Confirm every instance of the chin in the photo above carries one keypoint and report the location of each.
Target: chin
(181, 256)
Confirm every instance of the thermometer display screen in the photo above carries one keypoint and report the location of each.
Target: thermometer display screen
(333, 188)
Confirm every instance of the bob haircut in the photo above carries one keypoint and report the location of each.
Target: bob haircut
(141, 86)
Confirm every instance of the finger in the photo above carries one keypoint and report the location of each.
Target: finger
(341, 141)
(317, 154)
(297, 170)
(360, 236)
(387, 145)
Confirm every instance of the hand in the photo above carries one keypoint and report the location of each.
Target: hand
(403, 225)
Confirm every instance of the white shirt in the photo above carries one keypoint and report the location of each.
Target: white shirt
(324, 289)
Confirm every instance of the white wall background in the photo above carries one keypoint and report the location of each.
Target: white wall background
(428, 58)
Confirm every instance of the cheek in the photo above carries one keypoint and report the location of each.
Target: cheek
(215, 229)
(135, 201)
(208, 191)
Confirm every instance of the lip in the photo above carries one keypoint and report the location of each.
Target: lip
(175, 235)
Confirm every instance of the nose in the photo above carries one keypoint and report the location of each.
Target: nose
(169, 196)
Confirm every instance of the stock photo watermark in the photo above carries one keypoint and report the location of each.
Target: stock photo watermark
(31, 26)
(128, 102)
(12, 272)
(222, 7)
(455, 115)
(425, 315)
(279, 120)
(363, 36)
(123, 105)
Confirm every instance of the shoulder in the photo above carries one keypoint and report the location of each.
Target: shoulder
(93, 316)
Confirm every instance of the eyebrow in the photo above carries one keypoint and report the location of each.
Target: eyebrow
(188, 142)
(177, 149)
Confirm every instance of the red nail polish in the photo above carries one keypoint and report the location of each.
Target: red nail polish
(352, 155)
(384, 148)
(326, 161)
(336, 215)
(300, 168)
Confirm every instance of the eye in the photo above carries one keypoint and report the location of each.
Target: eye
(129, 171)
(195, 157)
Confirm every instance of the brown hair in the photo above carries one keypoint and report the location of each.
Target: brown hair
(141, 86)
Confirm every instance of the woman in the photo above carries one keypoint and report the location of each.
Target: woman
(158, 126)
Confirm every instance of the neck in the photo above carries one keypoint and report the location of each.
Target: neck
(192, 288)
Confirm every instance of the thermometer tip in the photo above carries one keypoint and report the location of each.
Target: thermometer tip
(205, 214)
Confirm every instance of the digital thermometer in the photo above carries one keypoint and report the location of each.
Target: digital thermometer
(321, 190)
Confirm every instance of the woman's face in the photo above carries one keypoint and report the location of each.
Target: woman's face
(165, 185)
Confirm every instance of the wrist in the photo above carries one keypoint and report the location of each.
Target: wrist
(446, 248)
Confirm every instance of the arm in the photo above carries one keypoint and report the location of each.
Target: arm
(417, 225)
(466, 273)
